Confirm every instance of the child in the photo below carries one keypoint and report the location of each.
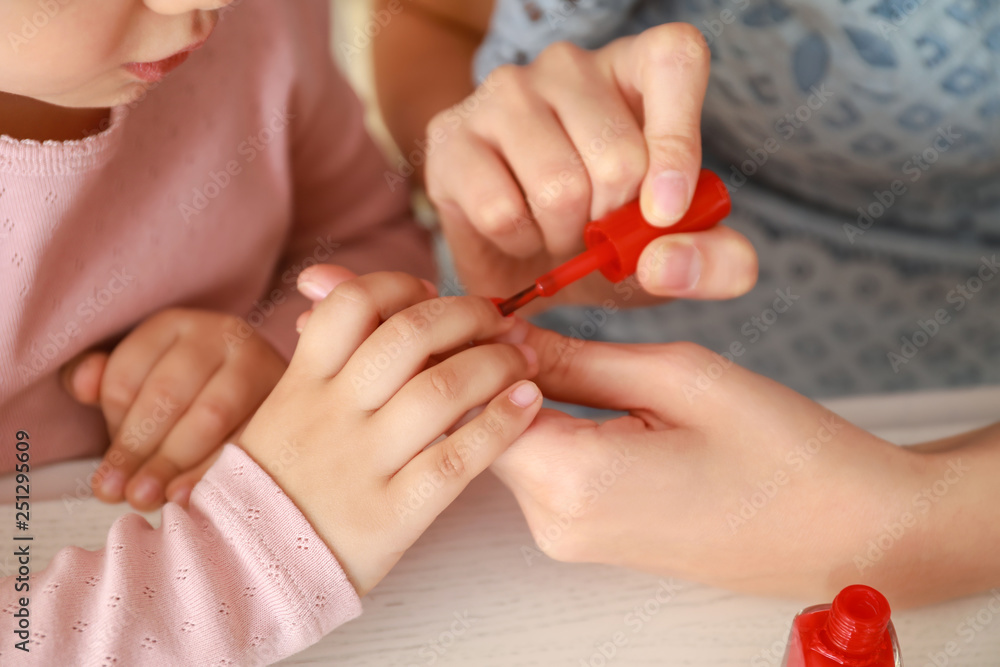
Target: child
(166, 217)
(169, 230)
(860, 144)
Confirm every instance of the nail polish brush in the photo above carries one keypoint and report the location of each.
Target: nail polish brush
(615, 242)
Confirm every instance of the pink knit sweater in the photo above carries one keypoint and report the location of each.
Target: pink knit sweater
(243, 167)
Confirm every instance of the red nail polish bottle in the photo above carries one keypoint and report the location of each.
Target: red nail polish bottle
(854, 631)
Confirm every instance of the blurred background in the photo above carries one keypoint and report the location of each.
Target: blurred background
(348, 17)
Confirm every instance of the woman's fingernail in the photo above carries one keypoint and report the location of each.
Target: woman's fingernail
(671, 196)
(529, 354)
(181, 495)
(148, 491)
(313, 290)
(679, 267)
(524, 395)
(113, 484)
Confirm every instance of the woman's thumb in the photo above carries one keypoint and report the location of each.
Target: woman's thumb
(599, 375)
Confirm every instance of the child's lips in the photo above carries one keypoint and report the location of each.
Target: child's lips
(155, 71)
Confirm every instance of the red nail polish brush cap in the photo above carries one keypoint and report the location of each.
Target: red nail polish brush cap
(855, 631)
(628, 233)
(615, 242)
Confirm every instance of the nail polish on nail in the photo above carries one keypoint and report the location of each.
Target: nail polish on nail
(113, 484)
(312, 290)
(681, 267)
(148, 491)
(671, 196)
(524, 395)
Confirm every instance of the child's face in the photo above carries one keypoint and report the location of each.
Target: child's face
(96, 53)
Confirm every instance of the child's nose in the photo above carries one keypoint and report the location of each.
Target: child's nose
(170, 7)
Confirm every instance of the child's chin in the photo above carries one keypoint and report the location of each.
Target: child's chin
(133, 93)
(121, 93)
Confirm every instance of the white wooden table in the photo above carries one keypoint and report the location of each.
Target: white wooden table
(467, 595)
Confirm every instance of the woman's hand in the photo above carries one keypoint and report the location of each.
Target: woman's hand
(722, 476)
(537, 151)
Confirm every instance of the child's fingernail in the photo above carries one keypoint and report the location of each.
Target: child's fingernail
(678, 266)
(300, 323)
(113, 484)
(431, 287)
(86, 379)
(529, 354)
(313, 290)
(148, 491)
(517, 334)
(671, 196)
(181, 495)
(524, 395)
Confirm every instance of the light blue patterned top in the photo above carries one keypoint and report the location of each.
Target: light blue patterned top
(861, 142)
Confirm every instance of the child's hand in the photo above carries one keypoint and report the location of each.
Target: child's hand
(172, 392)
(717, 475)
(538, 151)
(350, 432)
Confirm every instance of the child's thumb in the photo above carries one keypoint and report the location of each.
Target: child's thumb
(81, 376)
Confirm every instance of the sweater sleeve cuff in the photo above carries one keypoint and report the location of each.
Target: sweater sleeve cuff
(317, 590)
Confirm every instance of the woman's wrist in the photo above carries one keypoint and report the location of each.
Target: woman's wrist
(935, 545)
(986, 434)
